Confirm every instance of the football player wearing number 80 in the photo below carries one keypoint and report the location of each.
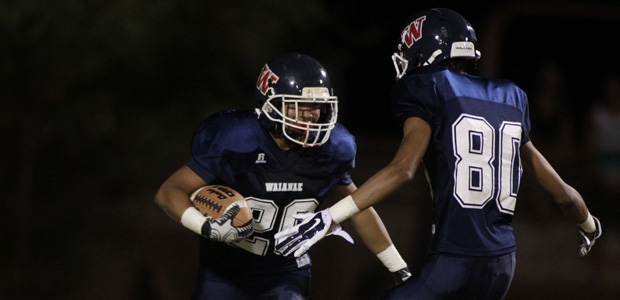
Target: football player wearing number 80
(472, 134)
(286, 157)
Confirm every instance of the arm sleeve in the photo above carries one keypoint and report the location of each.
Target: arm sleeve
(207, 151)
(408, 100)
(525, 135)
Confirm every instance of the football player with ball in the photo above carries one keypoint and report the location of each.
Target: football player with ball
(285, 158)
(472, 134)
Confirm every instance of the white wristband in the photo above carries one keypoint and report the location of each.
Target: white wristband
(391, 259)
(588, 226)
(193, 219)
(343, 209)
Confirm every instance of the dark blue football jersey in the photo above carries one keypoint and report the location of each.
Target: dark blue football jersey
(472, 161)
(231, 148)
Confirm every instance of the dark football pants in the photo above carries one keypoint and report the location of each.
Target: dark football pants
(293, 285)
(449, 277)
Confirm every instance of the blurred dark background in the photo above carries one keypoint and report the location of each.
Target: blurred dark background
(100, 99)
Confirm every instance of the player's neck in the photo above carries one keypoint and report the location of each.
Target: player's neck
(283, 143)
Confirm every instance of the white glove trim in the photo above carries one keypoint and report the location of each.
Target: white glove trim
(193, 220)
(343, 209)
(391, 259)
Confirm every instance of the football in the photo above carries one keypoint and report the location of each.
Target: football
(213, 200)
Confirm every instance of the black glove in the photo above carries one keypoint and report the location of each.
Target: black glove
(401, 275)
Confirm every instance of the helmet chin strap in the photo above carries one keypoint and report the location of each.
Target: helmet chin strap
(299, 134)
(431, 59)
(276, 131)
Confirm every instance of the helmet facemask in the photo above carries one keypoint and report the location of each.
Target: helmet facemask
(400, 64)
(291, 112)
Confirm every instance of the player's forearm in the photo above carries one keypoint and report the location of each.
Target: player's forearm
(378, 187)
(371, 230)
(172, 201)
(402, 169)
(572, 205)
(369, 226)
(566, 197)
(382, 184)
(416, 136)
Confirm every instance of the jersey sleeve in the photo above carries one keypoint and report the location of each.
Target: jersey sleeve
(345, 179)
(205, 152)
(342, 150)
(525, 123)
(410, 98)
(212, 139)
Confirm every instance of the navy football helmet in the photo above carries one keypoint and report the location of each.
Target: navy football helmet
(432, 36)
(287, 82)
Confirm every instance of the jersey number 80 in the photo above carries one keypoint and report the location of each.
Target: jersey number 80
(476, 180)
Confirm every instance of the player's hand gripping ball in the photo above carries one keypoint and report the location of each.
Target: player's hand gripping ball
(229, 215)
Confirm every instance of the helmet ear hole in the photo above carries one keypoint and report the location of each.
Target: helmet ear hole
(419, 59)
(415, 62)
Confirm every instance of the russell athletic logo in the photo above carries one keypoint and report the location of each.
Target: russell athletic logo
(413, 32)
(261, 158)
(265, 76)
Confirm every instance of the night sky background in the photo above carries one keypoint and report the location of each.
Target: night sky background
(100, 99)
